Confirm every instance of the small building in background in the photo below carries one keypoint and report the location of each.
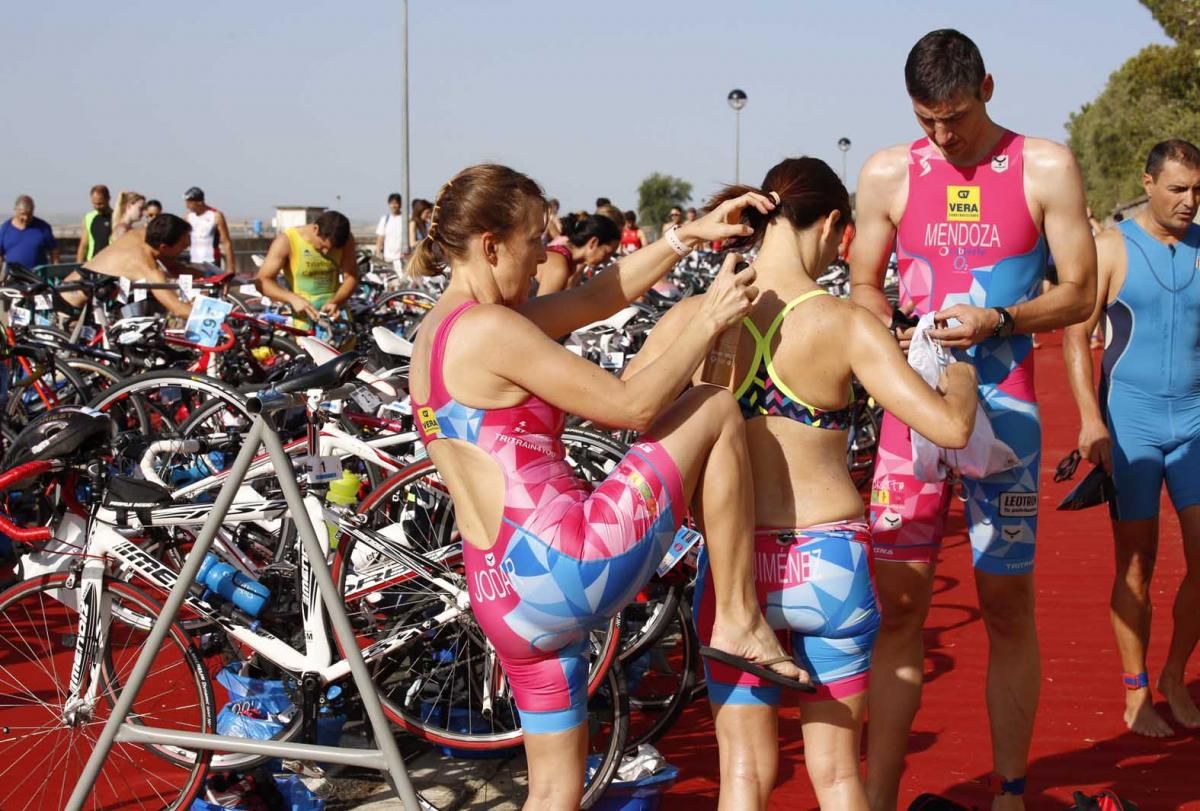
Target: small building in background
(295, 216)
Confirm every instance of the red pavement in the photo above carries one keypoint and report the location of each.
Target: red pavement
(1080, 740)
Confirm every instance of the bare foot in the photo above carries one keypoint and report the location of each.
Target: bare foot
(1180, 701)
(758, 644)
(1142, 718)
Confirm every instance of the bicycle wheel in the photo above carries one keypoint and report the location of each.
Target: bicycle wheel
(608, 729)
(34, 387)
(862, 443)
(95, 376)
(158, 403)
(42, 753)
(445, 684)
(660, 681)
(402, 311)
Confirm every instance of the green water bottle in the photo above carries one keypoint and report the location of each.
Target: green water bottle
(343, 492)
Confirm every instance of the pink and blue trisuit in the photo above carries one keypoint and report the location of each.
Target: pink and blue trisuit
(567, 557)
(813, 583)
(967, 237)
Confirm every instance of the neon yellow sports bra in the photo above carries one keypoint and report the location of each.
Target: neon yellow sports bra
(762, 393)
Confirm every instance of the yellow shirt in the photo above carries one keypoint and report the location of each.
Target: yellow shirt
(312, 275)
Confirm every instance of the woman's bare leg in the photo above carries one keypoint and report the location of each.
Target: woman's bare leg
(832, 731)
(748, 740)
(557, 763)
(704, 433)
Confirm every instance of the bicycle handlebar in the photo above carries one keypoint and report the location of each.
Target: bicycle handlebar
(164, 446)
(270, 400)
(12, 477)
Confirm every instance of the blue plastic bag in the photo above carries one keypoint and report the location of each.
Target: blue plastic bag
(254, 706)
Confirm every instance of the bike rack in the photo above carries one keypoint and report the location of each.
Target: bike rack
(386, 758)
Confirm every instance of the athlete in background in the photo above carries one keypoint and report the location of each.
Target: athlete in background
(211, 242)
(970, 209)
(318, 263)
(97, 225)
(1145, 426)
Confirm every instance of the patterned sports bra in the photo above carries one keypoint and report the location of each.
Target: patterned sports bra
(762, 393)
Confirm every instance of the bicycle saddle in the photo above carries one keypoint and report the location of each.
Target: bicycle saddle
(392, 344)
(328, 375)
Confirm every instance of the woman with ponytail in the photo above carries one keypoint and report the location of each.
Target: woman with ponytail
(490, 390)
(128, 213)
(789, 364)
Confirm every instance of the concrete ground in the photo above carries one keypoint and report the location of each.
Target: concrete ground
(449, 784)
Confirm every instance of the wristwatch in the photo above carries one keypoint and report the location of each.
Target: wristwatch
(1004, 327)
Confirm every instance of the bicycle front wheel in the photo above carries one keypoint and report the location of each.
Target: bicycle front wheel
(44, 743)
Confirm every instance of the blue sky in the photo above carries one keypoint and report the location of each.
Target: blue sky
(267, 102)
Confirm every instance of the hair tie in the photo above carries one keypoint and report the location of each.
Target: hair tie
(774, 195)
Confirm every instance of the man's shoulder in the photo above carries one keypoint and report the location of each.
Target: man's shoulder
(1044, 155)
(1110, 242)
(890, 159)
(888, 167)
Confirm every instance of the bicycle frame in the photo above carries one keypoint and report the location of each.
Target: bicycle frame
(386, 758)
(332, 441)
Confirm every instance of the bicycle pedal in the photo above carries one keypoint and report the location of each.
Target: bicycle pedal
(304, 768)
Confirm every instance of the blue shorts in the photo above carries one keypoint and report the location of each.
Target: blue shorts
(814, 584)
(1155, 439)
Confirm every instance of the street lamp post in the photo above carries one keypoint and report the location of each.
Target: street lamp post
(404, 246)
(844, 145)
(737, 100)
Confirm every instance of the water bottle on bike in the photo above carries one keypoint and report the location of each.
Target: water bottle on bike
(243, 591)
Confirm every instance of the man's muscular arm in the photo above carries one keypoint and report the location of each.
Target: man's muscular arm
(1094, 440)
(880, 184)
(1055, 182)
(1052, 182)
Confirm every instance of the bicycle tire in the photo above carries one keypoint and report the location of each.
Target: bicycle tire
(24, 405)
(678, 647)
(131, 769)
(403, 308)
(862, 442)
(96, 376)
(136, 403)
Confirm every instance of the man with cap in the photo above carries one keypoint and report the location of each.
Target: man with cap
(210, 234)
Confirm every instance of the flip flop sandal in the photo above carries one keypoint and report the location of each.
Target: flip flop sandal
(760, 669)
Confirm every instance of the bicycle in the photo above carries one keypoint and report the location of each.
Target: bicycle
(446, 603)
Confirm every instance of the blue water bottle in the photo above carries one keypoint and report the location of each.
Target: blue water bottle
(244, 592)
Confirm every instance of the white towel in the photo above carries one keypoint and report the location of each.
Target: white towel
(984, 455)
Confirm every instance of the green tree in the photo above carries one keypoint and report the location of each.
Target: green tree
(657, 195)
(1153, 96)
(1179, 18)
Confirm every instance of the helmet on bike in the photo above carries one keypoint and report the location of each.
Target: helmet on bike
(60, 434)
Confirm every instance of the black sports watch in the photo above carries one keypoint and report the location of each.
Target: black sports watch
(1005, 327)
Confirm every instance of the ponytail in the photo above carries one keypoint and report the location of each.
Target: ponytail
(481, 198)
(804, 189)
(426, 260)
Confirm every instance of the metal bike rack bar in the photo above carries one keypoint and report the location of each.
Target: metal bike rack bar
(387, 758)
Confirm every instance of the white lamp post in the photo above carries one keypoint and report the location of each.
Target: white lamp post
(737, 100)
(844, 145)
